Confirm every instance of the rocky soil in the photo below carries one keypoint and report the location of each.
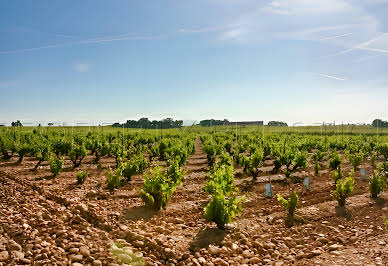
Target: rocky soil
(53, 221)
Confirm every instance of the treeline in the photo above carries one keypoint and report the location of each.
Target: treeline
(277, 123)
(379, 123)
(213, 122)
(155, 124)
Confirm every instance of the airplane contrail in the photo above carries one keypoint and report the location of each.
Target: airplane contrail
(117, 38)
(329, 76)
(208, 29)
(335, 37)
(94, 40)
(66, 36)
(360, 46)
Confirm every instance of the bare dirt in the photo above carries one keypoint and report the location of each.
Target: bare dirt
(48, 220)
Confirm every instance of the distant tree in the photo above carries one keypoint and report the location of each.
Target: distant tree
(212, 122)
(277, 123)
(17, 124)
(146, 123)
(379, 123)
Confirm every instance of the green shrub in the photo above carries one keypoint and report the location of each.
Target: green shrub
(56, 166)
(335, 161)
(134, 166)
(77, 154)
(255, 162)
(289, 205)
(162, 146)
(128, 169)
(376, 185)
(355, 159)
(317, 167)
(222, 210)
(382, 169)
(112, 180)
(337, 175)
(61, 147)
(212, 149)
(221, 180)
(157, 189)
(383, 150)
(318, 156)
(98, 147)
(177, 152)
(81, 176)
(373, 159)
(5, 144)
(225, 159)
(153, 151)
(116, 149)
(42, 151)
(228, 147)
(300, 160)
(244, 162)
(344, 189)
(284, 158)
(175, 172)
(22, 149)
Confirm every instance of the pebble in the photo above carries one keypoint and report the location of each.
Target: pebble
(335, 247)
(214, 250)
(323, 240)
(221, 262)
(97, 263)
(12, 245)
(84, 251)
(254, 260)
(74, 250)
(17, 255)
(76, 258)
(234, 246)
(4, 256)
(269, 245)
(201, 260)
(316, 252)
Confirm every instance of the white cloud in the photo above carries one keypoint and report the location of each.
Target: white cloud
(234, 34)
(293, 7)
(81, 67)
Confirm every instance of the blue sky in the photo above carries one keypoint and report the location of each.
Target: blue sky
(101, 61)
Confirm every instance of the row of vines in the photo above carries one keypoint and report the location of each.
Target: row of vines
(136, 153)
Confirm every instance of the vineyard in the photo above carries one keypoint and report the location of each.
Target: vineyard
(201, 196)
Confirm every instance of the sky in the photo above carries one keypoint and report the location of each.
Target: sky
(93, 61)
